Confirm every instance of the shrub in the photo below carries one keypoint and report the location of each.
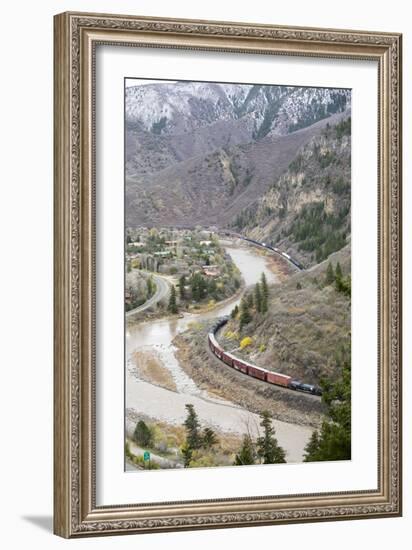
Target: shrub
(143, 435)
(245, 342)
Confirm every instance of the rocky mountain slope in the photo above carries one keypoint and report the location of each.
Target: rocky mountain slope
(170, 122)
(212, 188)
(307, 210)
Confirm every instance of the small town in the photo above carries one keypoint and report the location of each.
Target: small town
(192, 261)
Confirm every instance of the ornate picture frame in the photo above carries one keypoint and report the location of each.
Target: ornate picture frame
(76, 36)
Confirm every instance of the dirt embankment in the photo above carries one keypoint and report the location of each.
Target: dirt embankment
(216, 378)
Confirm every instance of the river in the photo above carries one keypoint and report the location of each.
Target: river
(157, 336)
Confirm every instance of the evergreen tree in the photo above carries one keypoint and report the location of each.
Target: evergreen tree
(143, 434)
(172, 301)
(338, 272)
(330, 276)
(264, 304)
(182, 284)
(149, 287)
(212, 289)
(249, 299)
(193, 438)
(265, 288)
(334, 438)
(312, 447)
(245, 316)
(247, 453)
(268, 448)
(258, 298)
(198, 286)
(234, 312)
(209, 438)
(264, 293)
(344, 285)
(187, 454)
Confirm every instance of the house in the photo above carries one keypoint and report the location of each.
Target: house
(211, 270)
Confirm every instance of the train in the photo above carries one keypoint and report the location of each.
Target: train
(254, 371)
(275, 249)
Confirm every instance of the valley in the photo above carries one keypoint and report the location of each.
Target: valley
(237, 207)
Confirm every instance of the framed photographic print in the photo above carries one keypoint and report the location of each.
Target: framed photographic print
(227, 274)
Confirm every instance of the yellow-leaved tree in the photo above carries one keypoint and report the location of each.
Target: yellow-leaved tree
(245, 342)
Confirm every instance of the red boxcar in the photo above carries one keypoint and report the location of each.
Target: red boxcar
(256, 372)
(227, 359)
(278, 379)
(214, 346)
(218, 351)
(239, 365)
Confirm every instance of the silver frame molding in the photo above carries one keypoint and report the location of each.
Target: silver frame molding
(75, 39)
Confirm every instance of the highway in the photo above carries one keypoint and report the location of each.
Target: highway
(162, 293)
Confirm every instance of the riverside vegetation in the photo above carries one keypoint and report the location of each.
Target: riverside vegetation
(194, 446)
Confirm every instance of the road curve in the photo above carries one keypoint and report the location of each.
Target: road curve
(162, 292)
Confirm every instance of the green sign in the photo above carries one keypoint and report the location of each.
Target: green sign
(146, 455)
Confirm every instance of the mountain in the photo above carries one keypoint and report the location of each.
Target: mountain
(170, 122)
(215, 187)
(183, 107)
(307, 210)
(271, 162)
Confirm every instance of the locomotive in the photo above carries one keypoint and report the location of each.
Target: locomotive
(254, 371)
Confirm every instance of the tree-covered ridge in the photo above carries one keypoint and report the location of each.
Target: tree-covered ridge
(316, 230)
(319, 111)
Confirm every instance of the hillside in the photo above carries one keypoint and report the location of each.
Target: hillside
(306, 211)
(302, 334)
(307, 317)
